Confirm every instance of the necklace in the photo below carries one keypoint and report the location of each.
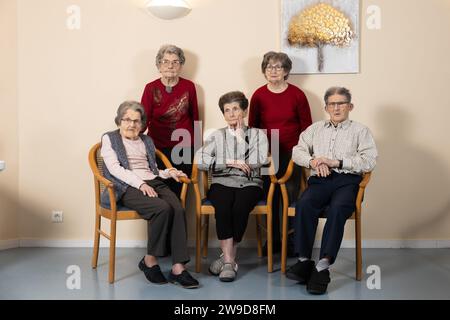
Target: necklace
(169, 84)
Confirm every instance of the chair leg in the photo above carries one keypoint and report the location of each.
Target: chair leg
(258, 235)
(358, 248)
(284, 234)
(96, 240)
(269, 244)
(198, 234)
(205, 236)
(112, 251)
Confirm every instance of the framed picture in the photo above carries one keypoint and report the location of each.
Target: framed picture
(321, 36)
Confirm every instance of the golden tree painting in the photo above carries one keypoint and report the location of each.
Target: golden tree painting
(319, 25)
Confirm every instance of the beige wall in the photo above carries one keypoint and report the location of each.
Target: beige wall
(71, 82)
(8, 124)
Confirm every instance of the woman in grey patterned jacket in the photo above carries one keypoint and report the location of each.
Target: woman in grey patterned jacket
(235, 156)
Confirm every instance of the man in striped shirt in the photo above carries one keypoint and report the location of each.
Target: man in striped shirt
(338, 151)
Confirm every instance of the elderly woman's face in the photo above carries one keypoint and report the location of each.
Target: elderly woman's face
(274, 71)
(130, 125)
(170, 65)
(233, 113)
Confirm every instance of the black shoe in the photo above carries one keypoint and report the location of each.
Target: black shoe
(183, 279)
(301, 271)
(276, 248)
(153, 274)
(318, 282)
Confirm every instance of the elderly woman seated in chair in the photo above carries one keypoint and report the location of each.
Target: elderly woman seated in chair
(129, 162)
(234, 155)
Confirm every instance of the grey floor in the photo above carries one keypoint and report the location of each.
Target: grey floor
(40, 273)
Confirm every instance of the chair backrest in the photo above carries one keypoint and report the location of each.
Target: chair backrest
(96, 164)
(99, 162)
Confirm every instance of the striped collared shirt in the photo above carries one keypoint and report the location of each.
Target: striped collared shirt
(349, 141)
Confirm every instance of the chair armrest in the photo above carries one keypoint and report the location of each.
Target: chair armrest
(287, 176)
(194, 174)
(273, 179)
(362, 186)
(185, 180)
(288, 173)
(164, 159)
(100, 178)
(109, 186)
(365, 180)
(169, 165)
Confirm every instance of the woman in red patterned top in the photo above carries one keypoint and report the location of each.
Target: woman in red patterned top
(279, 105)
(170, 103)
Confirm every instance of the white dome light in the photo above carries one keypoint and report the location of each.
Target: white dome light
(168, 9)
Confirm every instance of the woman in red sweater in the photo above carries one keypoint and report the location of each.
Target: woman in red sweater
(281, 107)
(170, 104)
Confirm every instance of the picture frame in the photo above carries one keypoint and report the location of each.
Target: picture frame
(321, 37)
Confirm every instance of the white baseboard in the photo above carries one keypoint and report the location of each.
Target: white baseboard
(9, 244)
(214, 243)
(394, 244)
(48, 243)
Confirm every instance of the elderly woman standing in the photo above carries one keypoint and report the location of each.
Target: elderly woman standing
(235, 155)
(170, 103)
(279, 105)
(130, 163)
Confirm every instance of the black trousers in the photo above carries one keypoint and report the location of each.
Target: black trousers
(293, 188)
(336, 195)
(185, 167)
(232, 207)
(166, 220)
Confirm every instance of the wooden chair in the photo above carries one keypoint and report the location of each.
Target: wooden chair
(115, 213)
(289, 211)
(204, 209)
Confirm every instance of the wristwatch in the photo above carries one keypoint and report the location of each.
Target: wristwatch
(341, 163)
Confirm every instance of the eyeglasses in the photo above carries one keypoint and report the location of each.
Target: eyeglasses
(166, 62)
(129, 121)
(275, 67)
(337, 104)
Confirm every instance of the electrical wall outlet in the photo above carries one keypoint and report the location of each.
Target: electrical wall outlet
(2, 165)
(57, 216)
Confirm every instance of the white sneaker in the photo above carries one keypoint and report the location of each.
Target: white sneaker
(228, 272)
(216, 266)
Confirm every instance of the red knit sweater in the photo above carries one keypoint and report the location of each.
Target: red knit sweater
(287, 111)
(169, 111)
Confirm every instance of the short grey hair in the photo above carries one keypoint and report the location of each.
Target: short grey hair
(170, 49)
(340, 91)
(234, 96)
(130, 105)
(281, 57)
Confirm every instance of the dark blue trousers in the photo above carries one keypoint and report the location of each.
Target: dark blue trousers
(335, 195)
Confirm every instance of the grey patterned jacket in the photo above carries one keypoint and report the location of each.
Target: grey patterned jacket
(223, 145)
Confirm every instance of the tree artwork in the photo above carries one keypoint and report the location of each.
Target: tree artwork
(320, 25)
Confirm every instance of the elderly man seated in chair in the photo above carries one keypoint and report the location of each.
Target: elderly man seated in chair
(338, 151)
